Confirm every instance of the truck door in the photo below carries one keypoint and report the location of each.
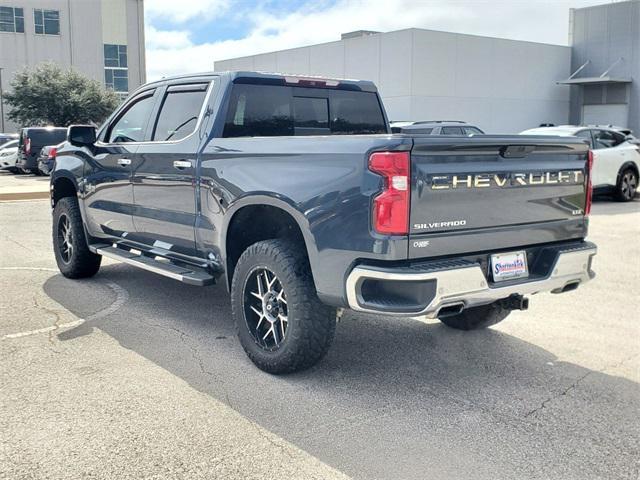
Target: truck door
(164, 171)
(108, 192)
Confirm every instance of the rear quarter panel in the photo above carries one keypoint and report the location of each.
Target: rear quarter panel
(322, 182)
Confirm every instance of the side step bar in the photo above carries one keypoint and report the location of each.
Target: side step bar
(189, 275)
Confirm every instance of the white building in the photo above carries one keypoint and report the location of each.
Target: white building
(103, 39)
(503, 86)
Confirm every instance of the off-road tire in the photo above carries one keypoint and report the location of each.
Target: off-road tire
(476, 318)
(627, 185)
(311, 324)
(81, 263)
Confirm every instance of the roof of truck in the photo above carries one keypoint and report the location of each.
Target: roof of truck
(286, 78)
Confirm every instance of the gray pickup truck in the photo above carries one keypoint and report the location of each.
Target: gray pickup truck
(294, 192)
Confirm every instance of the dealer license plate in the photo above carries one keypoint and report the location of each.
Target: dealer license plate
(507, 266)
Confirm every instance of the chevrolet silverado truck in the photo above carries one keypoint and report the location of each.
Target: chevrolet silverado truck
(294, 193)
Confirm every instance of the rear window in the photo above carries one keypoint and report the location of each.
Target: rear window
(267, 110)
(46, 137)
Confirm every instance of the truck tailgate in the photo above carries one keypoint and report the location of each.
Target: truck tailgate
(471, 194)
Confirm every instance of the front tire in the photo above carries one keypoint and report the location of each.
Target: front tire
(73, 256)
(281, 324)
(627, 185)
(476, 318)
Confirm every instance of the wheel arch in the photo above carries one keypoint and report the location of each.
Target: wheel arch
(62, 186)
(271, 217)
(628, 164)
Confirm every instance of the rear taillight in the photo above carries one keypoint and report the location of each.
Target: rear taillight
(52, 153)
(391, 206)
(27, 146)
(589, 199)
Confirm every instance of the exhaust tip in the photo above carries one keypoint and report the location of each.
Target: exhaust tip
(450, 310)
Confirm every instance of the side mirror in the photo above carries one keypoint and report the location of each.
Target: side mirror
(81, 135)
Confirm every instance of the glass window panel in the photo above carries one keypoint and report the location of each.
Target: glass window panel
(310, 112)
(123, 60)
(19, 25)
(179, 115)
(37, 17)
(51, 15)
(109, 62)
(120, 84)
(19, 12)
(110, 51)
(52, 27)
(131, 126)
(122, 49)
(6, 27)
(108, 75)
(39, 29)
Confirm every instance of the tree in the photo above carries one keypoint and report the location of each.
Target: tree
(49, 95)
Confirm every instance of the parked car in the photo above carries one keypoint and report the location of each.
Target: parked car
(616, 157)
(7, 137)
(47, 157)
(294, 193)
(32, 139)
(436, 127)
(9, 156)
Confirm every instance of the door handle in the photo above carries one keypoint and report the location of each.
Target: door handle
(180, 164)
(124, 162)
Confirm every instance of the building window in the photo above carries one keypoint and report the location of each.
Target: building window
(116, 73)
(11, 20)
(47, 22)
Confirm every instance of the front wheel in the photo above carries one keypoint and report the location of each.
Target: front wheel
(475, 318)
(627, 185)
(73, 256)
(281, 324)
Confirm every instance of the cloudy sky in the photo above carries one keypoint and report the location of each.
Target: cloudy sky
(189, 35)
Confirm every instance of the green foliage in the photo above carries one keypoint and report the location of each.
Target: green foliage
(49, 95)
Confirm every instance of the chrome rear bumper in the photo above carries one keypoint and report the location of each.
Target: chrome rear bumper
(460, 282)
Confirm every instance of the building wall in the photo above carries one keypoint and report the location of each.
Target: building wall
(601, 35)
(85, 26)
(504, 86)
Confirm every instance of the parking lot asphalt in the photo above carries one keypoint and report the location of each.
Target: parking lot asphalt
(132, 375)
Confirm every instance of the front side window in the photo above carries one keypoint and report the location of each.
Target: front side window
(472, 131)
(11, 20)
(132, 125)
(47, 22)
(178, 115)
(116, 72)
(266, 110)
(606, 139)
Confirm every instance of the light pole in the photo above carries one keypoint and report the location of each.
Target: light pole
(1, 104)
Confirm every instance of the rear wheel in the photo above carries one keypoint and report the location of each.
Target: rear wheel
(627, 185)
(477, 317)
(73, 256)
(282, 325)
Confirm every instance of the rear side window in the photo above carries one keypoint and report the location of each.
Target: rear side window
(472, 131)
(131, 126)
(179, 114)
(267, 110)
(451, 131)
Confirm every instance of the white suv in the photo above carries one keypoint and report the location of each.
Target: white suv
(616, 157)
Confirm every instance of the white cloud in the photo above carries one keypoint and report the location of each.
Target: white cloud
(172, 52)
(182, 11)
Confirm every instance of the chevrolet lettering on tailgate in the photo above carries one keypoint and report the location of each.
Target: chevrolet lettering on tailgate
(504, 180)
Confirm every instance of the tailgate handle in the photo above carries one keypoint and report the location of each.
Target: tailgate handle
(516, 151)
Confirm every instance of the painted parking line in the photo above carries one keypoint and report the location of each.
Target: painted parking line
(121, 298)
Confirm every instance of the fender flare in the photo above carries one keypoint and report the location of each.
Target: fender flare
(274, 200)
(624, 166)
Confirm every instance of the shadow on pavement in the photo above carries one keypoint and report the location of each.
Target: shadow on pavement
(395, 398)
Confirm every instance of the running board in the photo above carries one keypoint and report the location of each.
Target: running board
(188, 275)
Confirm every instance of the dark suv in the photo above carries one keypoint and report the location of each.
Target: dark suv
(32, 139)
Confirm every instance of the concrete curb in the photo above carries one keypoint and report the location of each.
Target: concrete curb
(10, 196)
